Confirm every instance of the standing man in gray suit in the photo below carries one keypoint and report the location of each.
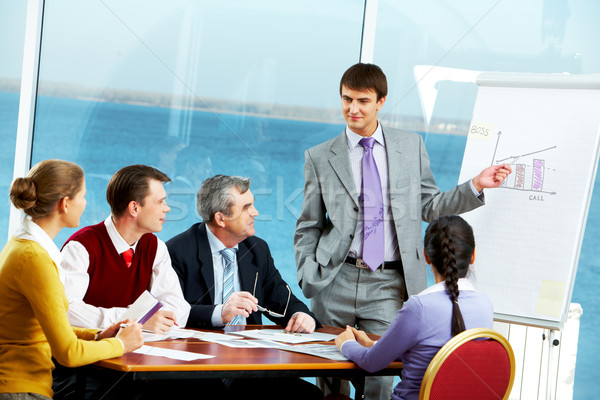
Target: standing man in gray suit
(358, 245)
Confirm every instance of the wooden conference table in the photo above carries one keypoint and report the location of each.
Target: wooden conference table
(240, 362)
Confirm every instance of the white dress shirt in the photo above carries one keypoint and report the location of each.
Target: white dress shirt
(356, 152)
(219, 264)
(164, 284)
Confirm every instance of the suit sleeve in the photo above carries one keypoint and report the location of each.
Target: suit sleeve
(183, 262)
(434, 203)
(309, 228)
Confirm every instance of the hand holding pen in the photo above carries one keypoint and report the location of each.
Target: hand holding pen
(161, 322)
(128, 332)
(130, 335)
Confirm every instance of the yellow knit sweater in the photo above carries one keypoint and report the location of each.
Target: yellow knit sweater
(34, 324)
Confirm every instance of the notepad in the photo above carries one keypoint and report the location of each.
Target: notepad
(142, 309)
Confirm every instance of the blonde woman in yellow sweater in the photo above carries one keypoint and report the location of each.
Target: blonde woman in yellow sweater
(33, 306)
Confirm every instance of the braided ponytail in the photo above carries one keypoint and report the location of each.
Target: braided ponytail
(449, 244)
(451, 274)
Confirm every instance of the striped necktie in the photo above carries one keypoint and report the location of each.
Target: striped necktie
(228, 275)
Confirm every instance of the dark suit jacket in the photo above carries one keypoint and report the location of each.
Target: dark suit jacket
(192, 260)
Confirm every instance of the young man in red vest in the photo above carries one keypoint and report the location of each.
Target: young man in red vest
(107, 266)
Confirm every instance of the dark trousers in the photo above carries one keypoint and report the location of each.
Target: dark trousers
(88, 383)
(274, 388)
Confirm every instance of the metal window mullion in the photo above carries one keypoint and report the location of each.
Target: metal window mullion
(27, 98)
(367, 42)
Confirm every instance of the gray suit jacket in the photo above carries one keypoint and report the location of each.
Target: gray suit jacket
(330, 210)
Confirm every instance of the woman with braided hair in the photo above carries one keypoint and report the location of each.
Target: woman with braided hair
(431, 318)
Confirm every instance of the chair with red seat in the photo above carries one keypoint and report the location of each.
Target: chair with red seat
(469, 369)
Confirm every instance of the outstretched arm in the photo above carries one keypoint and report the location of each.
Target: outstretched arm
(492, 177)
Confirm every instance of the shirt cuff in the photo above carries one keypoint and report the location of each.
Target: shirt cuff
(216, 319)
(475, 192)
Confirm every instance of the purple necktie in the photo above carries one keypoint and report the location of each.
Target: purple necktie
(372, 200)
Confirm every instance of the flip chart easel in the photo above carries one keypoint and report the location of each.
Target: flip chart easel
(529, 233)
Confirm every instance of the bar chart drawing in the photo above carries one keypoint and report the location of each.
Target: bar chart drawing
(538, 175)
(529, 235)
(529, 173)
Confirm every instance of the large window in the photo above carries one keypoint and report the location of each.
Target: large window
(508, 36)
(195, 89)
(12, 37)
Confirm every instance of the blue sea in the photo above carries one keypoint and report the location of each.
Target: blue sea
(190, 146)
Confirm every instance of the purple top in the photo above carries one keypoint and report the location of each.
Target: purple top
(419, 330)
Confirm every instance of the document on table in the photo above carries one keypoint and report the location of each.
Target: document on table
(180, 333)
(320, 350)
(169, 353)
(142, 309)
(284, 336)
(242, 343)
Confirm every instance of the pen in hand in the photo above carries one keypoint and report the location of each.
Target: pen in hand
(143, 330)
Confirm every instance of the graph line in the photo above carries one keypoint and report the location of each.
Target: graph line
(496, 148)
(529, 190)
(525, 155)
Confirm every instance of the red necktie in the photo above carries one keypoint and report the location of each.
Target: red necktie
(127, 257)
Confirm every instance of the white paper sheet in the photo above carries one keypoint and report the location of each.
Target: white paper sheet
(174, 354)
(285, 337)
(319, 350)
(242, 343)
(530, 231)
(181, 333)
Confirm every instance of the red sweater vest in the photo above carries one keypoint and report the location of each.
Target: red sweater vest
(112, 284)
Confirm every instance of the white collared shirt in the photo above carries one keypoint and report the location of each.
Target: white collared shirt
(356, 152)
(218, 267)
(29, 230)
(463, 284)
(115, 237)
(164, 283)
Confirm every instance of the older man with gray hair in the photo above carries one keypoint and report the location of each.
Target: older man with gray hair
(227, 274)
(228, 277)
